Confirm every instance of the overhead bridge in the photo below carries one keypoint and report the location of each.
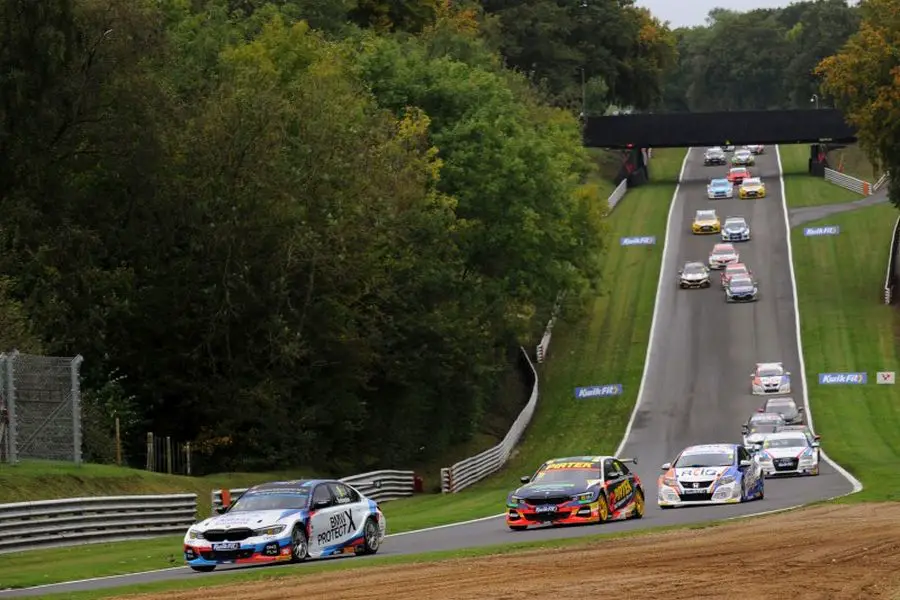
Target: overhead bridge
(683, 130)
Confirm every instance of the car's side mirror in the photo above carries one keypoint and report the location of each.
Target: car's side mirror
(524, 478)
(320, 504)
(817, 437)
(665, 466)
(801, 409)
(787, 372)
(746, 463)
(222, 509)
(815, 444)
(745, 430)
(680, 272)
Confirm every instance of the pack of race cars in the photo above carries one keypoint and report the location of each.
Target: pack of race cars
(738, 283)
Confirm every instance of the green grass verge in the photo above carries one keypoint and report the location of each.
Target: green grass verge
(607, 345)
(847, 328)
(807, 190)
(264, 575)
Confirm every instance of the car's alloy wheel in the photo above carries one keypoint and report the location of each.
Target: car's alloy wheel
(603, 509)
(299, 545)
(371, 537)
(638, 505)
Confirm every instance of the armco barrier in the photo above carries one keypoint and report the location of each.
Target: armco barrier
(474, 469)
(890, 277)
(76, 521)
(881, 181)
(380, 486)
(618, 194)
(851, 183)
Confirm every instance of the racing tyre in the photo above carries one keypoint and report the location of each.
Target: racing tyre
(371, 540)
(299, 545)
(204, 568)
(602, 509)
(638, 505)
(518, 527)
(705, 285)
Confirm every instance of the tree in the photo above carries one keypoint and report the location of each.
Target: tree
(864, 79)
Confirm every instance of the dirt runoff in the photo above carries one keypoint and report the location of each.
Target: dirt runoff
(827, 552)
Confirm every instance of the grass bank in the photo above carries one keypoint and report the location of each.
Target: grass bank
(854, 162)
(807, 190)
(846, 328)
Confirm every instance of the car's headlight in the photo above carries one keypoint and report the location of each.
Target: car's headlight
(726, 480)
(670, 481)
(585, 497)
(193, 534)
(514, 501)
(273, 530)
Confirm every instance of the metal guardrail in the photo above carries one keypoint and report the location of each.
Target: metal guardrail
(474, 469)
(890, 277)
(618, 194)
(76, 521)
(881, 181)
(380, 486)
(851, 183)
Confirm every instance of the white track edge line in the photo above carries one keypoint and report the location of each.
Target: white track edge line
(857, 485)
(659, 290)
(436, 527)
(88, 580)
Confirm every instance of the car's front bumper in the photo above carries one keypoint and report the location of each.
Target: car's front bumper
(705, 229)
(739, 299)
(671, 497)
(694, 284)
(752, 195)
(759, 390)
(720, 195)
(801, 469)
(736, 237)
(199, 553)
(565, 514)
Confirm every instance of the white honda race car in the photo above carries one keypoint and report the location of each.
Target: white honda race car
(711, 474)
(287, 521)
(770, 378)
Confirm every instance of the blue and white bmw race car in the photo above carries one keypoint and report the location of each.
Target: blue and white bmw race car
(287, 521)
(719, 188)
(711, 474)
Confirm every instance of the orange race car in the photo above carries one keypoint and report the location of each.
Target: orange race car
(736, 175)
(579, 489)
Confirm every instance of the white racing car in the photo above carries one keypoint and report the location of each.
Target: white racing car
(711, 474)
(759, 425)
(788, 453)
(287, 521)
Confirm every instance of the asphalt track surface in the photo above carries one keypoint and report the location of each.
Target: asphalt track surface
(696, 386)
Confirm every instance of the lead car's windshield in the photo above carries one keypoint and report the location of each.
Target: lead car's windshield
(271, 500)
(705, 459)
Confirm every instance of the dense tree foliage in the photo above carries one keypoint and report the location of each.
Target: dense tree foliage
(864, 79)
(757, 60)
(297, 231)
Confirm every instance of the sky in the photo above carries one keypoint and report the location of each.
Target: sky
(686, 13)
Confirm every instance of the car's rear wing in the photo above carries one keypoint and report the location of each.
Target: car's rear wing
(628, 460)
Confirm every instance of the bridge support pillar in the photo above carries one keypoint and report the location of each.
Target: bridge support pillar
(818, 159)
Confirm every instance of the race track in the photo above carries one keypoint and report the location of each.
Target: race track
(696, 388)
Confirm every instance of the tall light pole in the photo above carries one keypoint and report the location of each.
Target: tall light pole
(583, 95)
(815, 98)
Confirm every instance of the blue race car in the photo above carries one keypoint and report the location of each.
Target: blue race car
(711, 474)
(719, 189)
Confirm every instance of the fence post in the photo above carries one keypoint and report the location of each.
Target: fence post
(150, 452)
(11, 408)
(118, 444)
(187, 451)
(168, 455)
(75, 369)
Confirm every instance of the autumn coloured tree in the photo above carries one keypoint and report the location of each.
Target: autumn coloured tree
(864, 79)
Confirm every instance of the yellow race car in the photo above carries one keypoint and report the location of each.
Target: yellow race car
(706, 221)
(752, 187)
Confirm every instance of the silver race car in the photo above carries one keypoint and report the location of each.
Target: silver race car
(741, 289)
(770, 378)
(788, 453)
(760, 424)
(693, 275)
(786, 407)
(714, 156)
(735, 229)
(743, 158)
